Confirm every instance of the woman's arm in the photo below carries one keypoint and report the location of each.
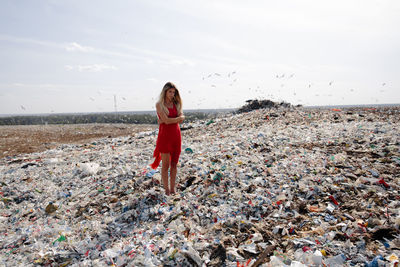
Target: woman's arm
(164, 118)
(180, 115)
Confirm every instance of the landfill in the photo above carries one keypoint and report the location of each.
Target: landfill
(285, 186)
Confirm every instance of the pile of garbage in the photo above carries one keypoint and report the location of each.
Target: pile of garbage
(281, 187)
(262, 104)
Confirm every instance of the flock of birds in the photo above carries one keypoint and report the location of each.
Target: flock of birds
(230, 74)
(217, 80)
(260, 93)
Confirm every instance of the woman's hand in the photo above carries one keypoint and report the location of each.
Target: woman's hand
(163, 118)
(181, 118)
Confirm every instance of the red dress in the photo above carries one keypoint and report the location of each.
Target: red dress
(168, 141)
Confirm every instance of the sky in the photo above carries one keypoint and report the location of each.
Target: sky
(59, 56)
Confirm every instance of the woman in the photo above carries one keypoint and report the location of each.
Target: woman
(168, 147)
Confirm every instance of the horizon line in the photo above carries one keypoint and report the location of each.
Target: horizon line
(193, 110)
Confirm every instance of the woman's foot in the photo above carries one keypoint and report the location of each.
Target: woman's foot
(167, 192)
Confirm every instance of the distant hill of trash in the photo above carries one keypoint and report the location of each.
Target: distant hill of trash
(261, 104)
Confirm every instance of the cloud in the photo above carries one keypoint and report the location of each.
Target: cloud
(153, 80)
(23, 40)
(19, 84)
(75, 47)
(48, 87)
(91, 68)
(178, 62)
(155, 57)
(71, 47)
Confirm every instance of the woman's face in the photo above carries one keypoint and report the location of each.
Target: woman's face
(170, 94)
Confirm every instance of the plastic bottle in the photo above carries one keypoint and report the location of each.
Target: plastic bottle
(335, 261)
(304, 256)
(275, 261)
(150, 173)
(317, 258)
(376, 262)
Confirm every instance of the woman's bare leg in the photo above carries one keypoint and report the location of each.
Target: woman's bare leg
(173, 177)
(164, 171)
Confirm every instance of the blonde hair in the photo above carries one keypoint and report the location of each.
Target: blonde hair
(176, 100)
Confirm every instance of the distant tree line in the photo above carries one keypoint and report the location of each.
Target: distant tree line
(93, 118)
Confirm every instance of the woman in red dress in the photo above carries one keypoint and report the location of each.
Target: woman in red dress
(168, 147)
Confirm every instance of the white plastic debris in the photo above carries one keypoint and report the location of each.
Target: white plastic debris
(291, 187)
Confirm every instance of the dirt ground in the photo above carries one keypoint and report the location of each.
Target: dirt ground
(19, 139)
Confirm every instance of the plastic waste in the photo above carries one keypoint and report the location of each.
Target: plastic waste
(335, 261)
(291, 190)
(378, 261)
(90, 168)
(188, 150)
(209, 122)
